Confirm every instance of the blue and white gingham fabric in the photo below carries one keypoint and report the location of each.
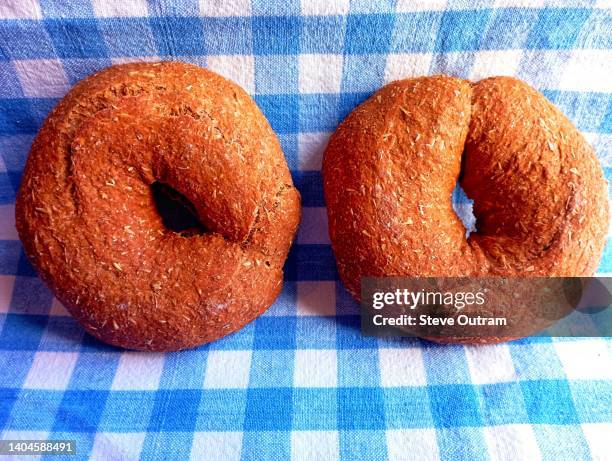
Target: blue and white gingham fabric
(300, 382)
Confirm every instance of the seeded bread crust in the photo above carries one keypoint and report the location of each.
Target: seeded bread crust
(86, 216)
(540, 197)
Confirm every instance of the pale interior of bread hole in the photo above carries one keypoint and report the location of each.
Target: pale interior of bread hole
(464, 208)
(177, 212)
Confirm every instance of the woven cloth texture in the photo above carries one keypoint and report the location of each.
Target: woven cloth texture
(300, 382)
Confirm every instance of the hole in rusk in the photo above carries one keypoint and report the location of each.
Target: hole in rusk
(177, 212)
(464, 208)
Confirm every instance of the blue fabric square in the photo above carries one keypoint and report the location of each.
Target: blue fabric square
(15, 367)
(461, 30)
(78, 69)
(31, 410)
(407, 407)
(14, 150)
(184, 369)
(606, 122)
(282, 111)
(62, 9)
(267, 70)
(16, 117)
(557, 28)
(516, 23)
(221, 410)
(7, 190)
(241, 339)
(415, 32)
(363, 444)
(177, 443)
(592, 400)
(76, 38)
(273, 333)
(595, 32)
(22, 332)
(561, 443)
(502, 404)
(32, 37)
(454, 405)
(289, 145)
(315, 409)
(128, 37)
(273, 445)
(361, 408)
(322, 34)
(316, 332)
(80, 411)
(227, 36)
(276, 35)
(272, 368)
(30, 296)
(534, 360)
(359, 37)
(178, 36)
(348, 101)
(348, 332)
(358, 368)
(63, 334)
(363, 73)
(127, 411)
(319, 112)
(9, 81)
(462, 443)
(311, 262)
(455, 369)
(310, 185)
(173, 8)
(10, 251)
(458, 64)
(7, 398)
(174, 410)
(94, 371)
(268, 8)
(268, 409)
(549, 402)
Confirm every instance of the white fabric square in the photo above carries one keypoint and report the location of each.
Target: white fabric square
(316, 298)
(111, 445)
(128, 59)
(20, 9)
(137, 371)
(216, 446)
(8, 231)
(310, 150)
(408, 444)
(221, 8)
(320, 73)
(44, 78)
(51, 370)
(313, 226)
(585, 358)
(324, 7)
(490, 364)
(495, 63)
(401, 66)
(587, 70)
(405, 6)
(227, 369)
(511, 442)
(239, 69)
(315, 368)
(315, 445)
(401, 367)
(597, 436)
(119, 8)
(7, 282)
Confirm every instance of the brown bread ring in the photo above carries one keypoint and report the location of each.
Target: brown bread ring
(540, 198)
(88, 221)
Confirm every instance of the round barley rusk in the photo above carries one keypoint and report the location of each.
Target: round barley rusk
(540, 198)
(87, 218)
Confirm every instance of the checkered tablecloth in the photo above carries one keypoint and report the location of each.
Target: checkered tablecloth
(300, 382)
